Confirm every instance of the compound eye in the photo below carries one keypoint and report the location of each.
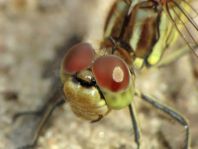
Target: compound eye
(77, 58)
(111, 73)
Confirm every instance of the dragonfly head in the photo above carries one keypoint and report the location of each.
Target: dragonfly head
(109, 72)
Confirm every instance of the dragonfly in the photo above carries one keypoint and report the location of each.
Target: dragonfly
(136, 35)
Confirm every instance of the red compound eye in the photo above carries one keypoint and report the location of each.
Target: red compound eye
(111, 73)
(78, 58)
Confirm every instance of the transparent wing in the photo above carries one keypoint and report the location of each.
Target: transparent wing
(183, 17)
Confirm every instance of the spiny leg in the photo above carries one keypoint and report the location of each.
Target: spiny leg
(175, 115)
(98, 119)
(135, 125)
(42, 123)
(26, 113)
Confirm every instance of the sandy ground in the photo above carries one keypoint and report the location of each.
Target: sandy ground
(31, 31)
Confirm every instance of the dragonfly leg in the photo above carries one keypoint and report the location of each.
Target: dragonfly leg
(98, 119)
(175, 55)
(175, 115)
(26, 113)
(41, 124)
(135, 125)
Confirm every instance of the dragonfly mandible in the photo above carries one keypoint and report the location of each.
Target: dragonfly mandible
(136, 34)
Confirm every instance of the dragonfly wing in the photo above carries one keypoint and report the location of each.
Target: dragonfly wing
(183, 18)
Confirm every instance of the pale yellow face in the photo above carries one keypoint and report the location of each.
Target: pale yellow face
(85, 102)
(95, 86)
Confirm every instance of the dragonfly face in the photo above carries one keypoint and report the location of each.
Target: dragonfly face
(95, 85)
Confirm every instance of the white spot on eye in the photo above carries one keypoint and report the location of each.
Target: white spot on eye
(118, 74)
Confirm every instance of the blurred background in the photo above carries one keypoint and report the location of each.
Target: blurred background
(32, 32)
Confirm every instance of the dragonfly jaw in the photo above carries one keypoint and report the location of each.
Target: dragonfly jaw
(85, 102)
